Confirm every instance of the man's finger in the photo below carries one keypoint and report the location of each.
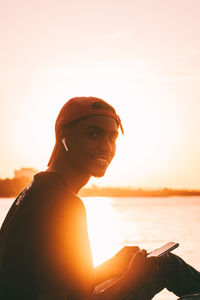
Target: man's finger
(139, 256)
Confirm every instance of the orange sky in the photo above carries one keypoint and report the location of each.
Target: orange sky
(141, 56)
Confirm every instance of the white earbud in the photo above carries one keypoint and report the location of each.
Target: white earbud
(65, 145)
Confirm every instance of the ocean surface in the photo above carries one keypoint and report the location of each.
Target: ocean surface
(146, 222)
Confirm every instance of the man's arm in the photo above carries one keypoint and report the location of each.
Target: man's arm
(62, 256)
(139, 270)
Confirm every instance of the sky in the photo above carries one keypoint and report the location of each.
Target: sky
(141, 56)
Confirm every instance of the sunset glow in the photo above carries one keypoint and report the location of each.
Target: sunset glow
(142, 57)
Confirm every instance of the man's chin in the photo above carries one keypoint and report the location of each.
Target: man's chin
(98, 173)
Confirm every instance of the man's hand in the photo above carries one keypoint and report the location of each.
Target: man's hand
(141, 267)
(122, 259)
(117, 265)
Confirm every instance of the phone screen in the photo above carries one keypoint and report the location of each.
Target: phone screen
(163, 250)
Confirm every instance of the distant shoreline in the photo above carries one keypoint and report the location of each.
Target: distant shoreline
(10, 188)
(124, 193)
(128, 192)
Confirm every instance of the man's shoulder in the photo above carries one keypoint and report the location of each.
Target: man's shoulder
(47, 188)
(42, 183)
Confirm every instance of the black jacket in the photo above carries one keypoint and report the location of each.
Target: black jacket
(44, 245)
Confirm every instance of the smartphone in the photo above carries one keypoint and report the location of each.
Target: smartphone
(163, 250)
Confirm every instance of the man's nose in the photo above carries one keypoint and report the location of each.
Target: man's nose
(106, 145)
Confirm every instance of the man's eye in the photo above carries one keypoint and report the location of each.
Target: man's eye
(93, 135)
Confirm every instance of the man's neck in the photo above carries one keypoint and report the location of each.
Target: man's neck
(74, 178)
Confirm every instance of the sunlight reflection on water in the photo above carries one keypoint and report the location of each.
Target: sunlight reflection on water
(146, 222)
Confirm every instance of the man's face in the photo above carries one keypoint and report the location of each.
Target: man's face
(92, 144)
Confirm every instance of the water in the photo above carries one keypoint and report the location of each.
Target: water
(147, 222)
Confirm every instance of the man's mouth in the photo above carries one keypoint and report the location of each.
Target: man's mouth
(102, 160)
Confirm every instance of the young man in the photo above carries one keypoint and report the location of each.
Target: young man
(44, 246)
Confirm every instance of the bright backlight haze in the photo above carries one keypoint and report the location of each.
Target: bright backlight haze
(143, 57)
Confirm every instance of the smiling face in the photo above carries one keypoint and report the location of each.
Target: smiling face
(92, 144)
